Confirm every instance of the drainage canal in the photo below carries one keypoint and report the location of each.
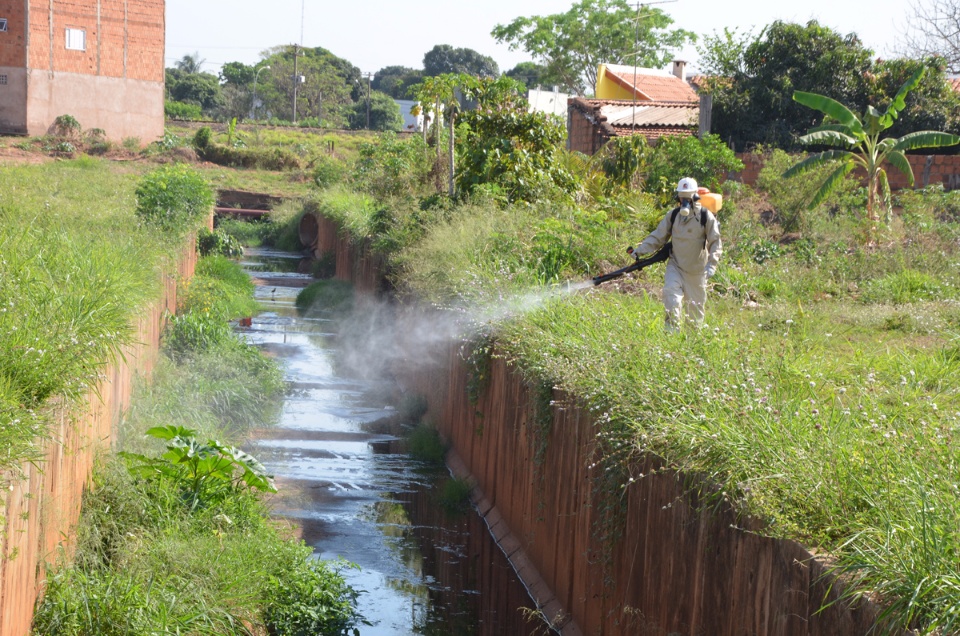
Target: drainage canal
(346, 482)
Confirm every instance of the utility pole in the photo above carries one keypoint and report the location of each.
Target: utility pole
(368, 99)
(296, 78)
(636, 55)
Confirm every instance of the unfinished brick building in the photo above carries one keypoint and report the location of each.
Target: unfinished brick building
(100, 61)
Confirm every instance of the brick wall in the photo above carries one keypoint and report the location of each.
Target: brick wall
(124, 38)
(582, 134)
(13, 42)
(927, 170)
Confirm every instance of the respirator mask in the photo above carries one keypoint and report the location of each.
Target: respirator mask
(686, 206)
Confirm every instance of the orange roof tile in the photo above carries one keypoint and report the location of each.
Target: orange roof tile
(954, 82)
(653, 85)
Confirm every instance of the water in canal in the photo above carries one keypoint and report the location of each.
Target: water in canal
(346, 481)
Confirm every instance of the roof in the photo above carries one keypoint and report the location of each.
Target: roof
(954, 83)
(652, 84)
(651, 119)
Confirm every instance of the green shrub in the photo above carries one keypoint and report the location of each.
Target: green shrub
(193, 332)
(455, 494)
(202, 138)
(182, 111)
(425, 445)
(217, 243)
(328, 296)
(259, 158)
(174, 198)
(708, 160)
(66, 127)
(328, 171)
(307, 596)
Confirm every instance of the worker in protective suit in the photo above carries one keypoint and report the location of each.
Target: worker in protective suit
(695, 234)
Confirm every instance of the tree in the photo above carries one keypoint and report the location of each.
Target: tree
(933, 29)
(443, 59)
(532, 75)
(202, 89)
(238, 73)
(502, 144)
(330, 87)
(932, 105)
(859, 145)
(752, 98)
(396, 81)
(191, 63)
(572, 45)
(384, 114)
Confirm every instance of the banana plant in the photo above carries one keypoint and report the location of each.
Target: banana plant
(857, 143)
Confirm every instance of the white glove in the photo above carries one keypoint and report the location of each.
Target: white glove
(710, 271)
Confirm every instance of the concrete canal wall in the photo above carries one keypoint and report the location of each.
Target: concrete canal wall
(41, 502)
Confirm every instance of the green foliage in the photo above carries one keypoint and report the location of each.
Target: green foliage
(789, 198)
(205, 474)
(66, 127)
(174, 198)
(258, 158)
(707, 159)
(455, 494)
(181, 111)
(861, 146)
(903, 287)
(396, 81)
(501, 143)
(202, 138)
(751, 100)
(197, 88)
(384, 114)
(331, 87)
(311, 597)
(392, 167)
(334, 297)
(194, 332)
(444, 59)
(217, 243)
(328, 171)
(572, 45)
(219, 287)
(424, 445)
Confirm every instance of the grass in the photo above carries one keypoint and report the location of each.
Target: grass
(68, 299)
(151, 560)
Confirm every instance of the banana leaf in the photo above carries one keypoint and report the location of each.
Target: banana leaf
(830, 107)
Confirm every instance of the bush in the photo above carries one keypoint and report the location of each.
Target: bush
(327, 171)
(328, 296)
(217, 243)
(182, 111)
(259, 158)
(195, 332)
(708, 160)
(202, 138)
(310, 597)
(174, 198)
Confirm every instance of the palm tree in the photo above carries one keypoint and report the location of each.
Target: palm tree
(860, 145)
(191, 63)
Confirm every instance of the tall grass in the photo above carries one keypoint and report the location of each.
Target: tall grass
(151, 561)
(67, 297)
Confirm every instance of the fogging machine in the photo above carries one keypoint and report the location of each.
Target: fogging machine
(658, 257)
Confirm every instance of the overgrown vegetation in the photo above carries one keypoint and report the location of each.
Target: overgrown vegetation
(67, 298)
(824, 369)
(152, 519)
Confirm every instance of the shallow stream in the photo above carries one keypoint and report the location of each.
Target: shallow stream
(346, 481)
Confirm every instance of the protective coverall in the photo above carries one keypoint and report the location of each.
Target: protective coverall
(696, 252)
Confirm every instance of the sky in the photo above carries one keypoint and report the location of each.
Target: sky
(377, 33)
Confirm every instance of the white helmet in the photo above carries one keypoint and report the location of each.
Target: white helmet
(687, 188)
